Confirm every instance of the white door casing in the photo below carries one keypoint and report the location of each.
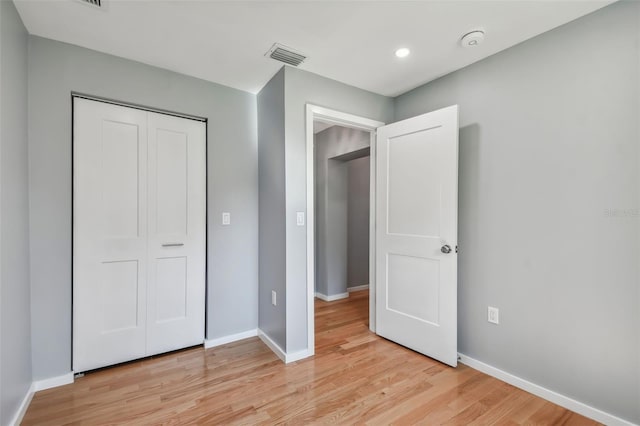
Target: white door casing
(416, 210)
(127, 194)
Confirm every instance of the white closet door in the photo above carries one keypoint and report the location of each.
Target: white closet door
(177, 231)
(110, 234)
(139, 234)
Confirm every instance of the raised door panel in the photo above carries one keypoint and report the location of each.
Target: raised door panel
(171, 179)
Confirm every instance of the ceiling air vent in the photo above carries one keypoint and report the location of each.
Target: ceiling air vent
(93, 3)
(285, 54)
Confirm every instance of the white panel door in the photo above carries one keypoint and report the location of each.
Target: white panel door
(139, 233)
(416, 233)
(177, 232)
(109, 234)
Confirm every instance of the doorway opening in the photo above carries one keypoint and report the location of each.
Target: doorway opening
(341, 210)
(341, 217)
(342, 177)
(412, 239)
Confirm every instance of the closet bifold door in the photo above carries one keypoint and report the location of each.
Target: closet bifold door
(109, 234)
(139, 233)
(177, 228)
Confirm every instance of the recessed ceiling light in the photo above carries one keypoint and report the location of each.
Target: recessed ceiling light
(403, 52)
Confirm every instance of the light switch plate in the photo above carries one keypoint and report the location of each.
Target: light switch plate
(300, 218)
(226, 218)
(273, 297)
(493, 315)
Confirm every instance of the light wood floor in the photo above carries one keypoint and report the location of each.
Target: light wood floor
(355, 377)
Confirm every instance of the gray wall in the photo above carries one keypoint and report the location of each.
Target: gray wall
(55, 70)
(358, 222)
(333, 197)
(272, 204)
(15, 320)
(302, 87)
(548, 150)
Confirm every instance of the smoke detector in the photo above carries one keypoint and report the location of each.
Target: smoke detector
(472, 39)
(285, 54)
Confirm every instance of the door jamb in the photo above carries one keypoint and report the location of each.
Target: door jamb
(314, 112)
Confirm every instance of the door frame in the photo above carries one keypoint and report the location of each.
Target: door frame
(79, 95)
(315, 112)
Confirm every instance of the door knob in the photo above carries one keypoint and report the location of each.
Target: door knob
(446, 249)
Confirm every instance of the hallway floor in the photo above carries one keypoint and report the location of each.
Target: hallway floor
(355, 377)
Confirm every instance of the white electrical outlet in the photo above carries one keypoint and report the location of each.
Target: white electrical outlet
(226, 218)
(273, 297)
(493, 315)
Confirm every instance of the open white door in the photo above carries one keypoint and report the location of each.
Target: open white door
(416, 233)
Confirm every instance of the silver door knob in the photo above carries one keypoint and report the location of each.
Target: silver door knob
(446, 249)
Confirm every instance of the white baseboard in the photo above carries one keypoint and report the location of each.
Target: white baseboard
(53, 382)
(211, 343)
(284, 357)
(358, 288)
(22, 409)
(36, 386)
(297, 356)
(332, 297)
(542, 392)
(272, 345)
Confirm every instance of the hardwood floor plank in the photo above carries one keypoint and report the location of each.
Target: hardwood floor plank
(355, 377)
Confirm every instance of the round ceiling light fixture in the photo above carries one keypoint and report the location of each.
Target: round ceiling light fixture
(403, 52)
(472, 39)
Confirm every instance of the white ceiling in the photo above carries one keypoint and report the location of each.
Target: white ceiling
(349, 41)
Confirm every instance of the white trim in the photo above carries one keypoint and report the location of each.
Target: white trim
(284, 357)
(335, 117)
(542, 392)
(332, 297)
(372, 231)
(53, 382)
(38, 385)
(272, 345)
(297, 356)
(212, 343)
(341, 118)
(358, 288)
(22, 409)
